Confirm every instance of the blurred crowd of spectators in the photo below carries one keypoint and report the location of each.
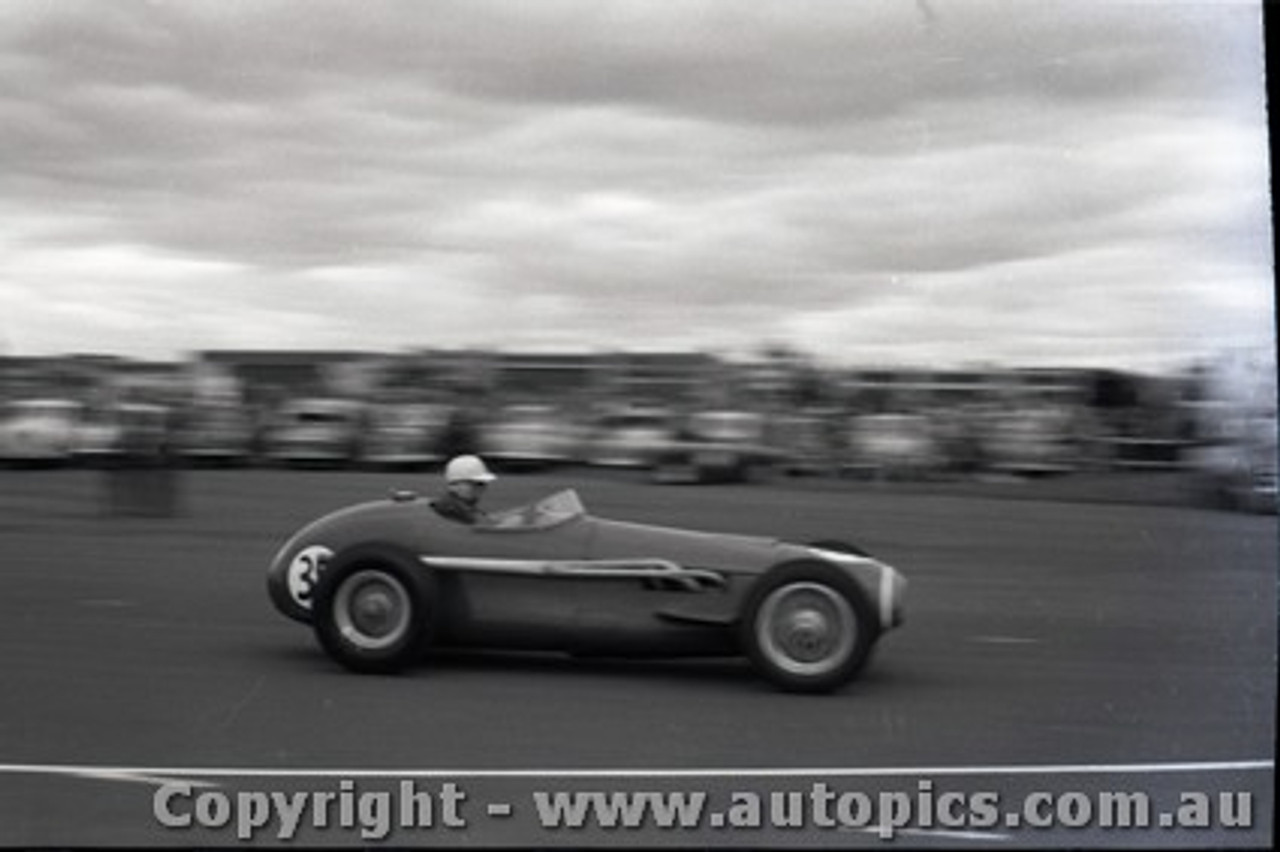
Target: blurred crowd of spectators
(880, 432)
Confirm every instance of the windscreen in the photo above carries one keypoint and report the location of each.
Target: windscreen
(550, 511)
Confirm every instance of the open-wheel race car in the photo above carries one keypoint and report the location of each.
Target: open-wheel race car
(383, 583)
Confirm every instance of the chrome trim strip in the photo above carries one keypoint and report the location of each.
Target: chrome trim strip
(600, 568)
(886, 596)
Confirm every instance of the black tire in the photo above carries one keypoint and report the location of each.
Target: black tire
(840, 547)
(401, 608)
(808, 627)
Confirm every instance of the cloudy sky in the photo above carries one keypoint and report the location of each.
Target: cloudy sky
(1023, 182)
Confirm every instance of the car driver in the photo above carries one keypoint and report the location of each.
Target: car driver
(465, 480)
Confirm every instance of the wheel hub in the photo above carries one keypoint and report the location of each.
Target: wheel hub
(372, 610)
(808, 634)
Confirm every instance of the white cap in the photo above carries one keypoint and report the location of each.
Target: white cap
(467, 469)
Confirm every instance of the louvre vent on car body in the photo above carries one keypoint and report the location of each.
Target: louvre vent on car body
(688, 580)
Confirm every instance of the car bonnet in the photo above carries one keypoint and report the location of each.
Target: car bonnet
(718, 551)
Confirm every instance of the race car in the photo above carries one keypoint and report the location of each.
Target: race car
(719, 446)
(317, 431)
(383, 583)
(529, 436)
(38, 431)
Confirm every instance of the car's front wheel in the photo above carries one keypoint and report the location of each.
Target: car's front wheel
(374, 611)
(808, 627)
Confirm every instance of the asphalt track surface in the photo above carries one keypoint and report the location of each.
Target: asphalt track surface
(1049, 645)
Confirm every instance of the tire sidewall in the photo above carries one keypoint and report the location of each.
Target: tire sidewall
(820, 573)
(417, 580)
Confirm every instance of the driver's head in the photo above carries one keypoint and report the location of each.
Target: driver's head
(467, 476)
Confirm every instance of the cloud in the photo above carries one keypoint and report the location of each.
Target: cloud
(703, 174)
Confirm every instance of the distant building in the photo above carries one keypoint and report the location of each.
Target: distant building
(467, 372)
(908, 389)
(166, 382)
(27, 377)
(540, 377)
(89, 378)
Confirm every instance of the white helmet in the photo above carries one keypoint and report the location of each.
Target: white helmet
(467, 469)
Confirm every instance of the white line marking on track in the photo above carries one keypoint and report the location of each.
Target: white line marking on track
(108, 774)
(948, 834)
(134, 773)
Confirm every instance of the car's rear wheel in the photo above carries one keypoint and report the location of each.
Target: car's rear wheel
(808, 627)
(374, 611)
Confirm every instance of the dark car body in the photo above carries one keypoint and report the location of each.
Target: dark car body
(550, 577)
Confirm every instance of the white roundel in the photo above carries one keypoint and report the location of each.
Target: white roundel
(304, 573)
